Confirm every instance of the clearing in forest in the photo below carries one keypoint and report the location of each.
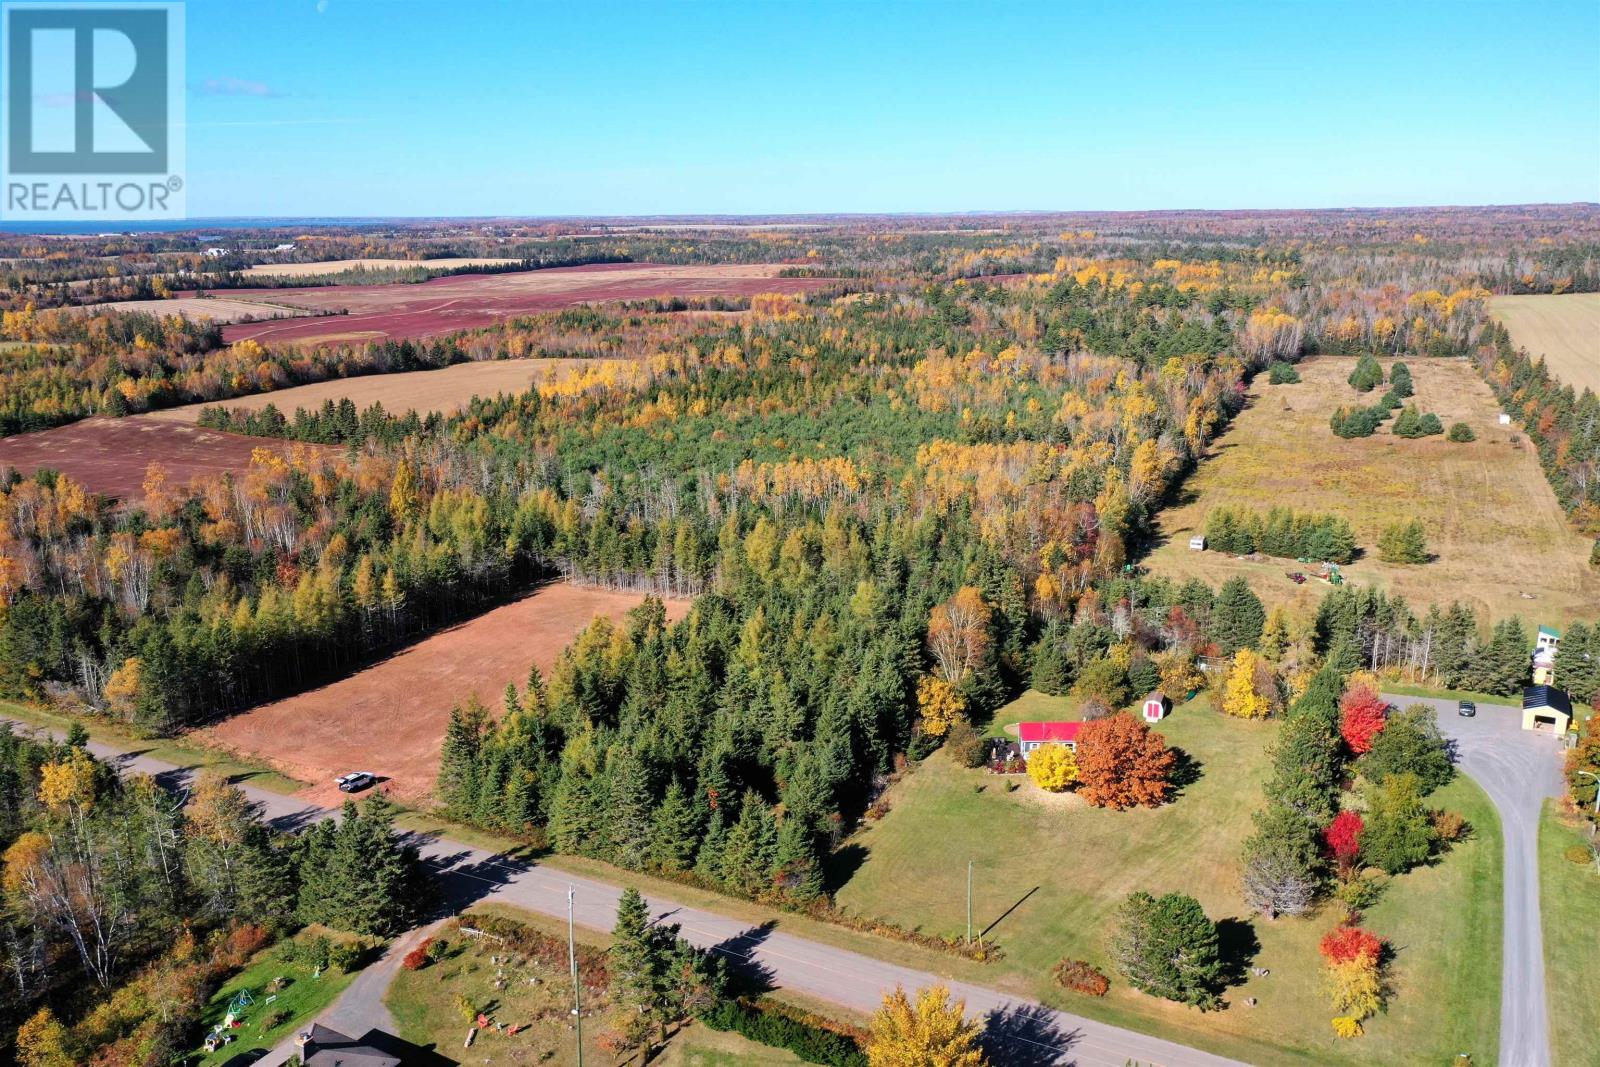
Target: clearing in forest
(111, 456)
(390, 718)
(1564, 329)
(1500, 540)
(445, 391)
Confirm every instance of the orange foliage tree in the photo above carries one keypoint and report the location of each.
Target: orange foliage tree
(1122, 763)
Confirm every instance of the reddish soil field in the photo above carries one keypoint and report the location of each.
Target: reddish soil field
(110, 456)
(390, 718)
(465, 301)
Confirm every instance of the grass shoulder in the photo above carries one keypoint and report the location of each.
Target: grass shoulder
(1569, 895)
(168, 750)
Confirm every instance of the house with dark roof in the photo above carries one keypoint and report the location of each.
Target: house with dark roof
(1544, 707)
(322, 1046)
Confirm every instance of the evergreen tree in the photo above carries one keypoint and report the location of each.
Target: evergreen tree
(674, 831)
(1238, 617)
(1410, 743)
(1398, 834)
(751, 848)
(1167, 947)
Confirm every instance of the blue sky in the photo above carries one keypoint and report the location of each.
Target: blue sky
(398, 107)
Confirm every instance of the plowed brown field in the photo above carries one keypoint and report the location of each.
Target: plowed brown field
(110, 456)
(423, 391)
(390, 718)
(353, 313)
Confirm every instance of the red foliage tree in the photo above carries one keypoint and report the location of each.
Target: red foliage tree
(1345, 943)
(1123, 763)
(1361, 717)
(1343, 838)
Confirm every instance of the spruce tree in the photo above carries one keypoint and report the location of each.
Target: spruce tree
(674, 830)
(748, 855)
(1238, 617)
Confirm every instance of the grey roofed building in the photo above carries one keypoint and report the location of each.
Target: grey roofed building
(324, 1047)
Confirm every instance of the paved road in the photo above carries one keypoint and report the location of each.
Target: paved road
(1029, 1033)
(1518, 769)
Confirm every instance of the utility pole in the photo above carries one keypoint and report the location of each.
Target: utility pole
(572, 961)
(969, 903)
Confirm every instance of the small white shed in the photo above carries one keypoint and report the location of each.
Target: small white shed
(1198, 542)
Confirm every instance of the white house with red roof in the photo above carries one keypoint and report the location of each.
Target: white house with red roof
(1031, 735)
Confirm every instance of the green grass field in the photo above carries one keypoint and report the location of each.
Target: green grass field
(1048, 873)
(1569, 902)
(301, 999)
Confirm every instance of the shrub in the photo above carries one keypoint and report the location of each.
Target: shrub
(1345, 943)
(1356, 422)
(1081, 977)
(964, 745)
(437, 947)
(1400, 379)
(1013, 786)
(418, 957)
(1367, 376)
(1579, 854)
(1053, 768)
(1449, 826)
(245, 941)
(1360, 892)
(274, 1019)
(1461, 433)
(1346, 1027)
(1281, 373)
(1412, 423)
(804, 1036)
(1404, 542)
(348, 956)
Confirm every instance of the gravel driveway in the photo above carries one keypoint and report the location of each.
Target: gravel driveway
(1518, 769)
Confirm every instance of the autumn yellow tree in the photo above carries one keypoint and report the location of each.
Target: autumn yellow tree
(1239, 695)
(933, 1032)
(43, 1042)
(940, 706)
(958, 633)
(1053, 767)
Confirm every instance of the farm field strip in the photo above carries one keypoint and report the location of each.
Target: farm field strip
(390, 718)
(1501, 541)
(340, 266)
(1564, 329)
(226, 310)
(460, 302)
(445, 391)
(111, 456)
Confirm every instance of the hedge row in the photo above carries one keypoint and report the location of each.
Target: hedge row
(768, 1026)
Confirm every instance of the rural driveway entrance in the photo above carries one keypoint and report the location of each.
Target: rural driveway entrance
(1519, 769)
(1029, 1034)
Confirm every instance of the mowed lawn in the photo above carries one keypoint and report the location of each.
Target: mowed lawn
(1502, 543)
(1049, 873)
(1569, 904)
(1564, 329)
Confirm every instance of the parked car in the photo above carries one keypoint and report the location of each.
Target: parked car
(1297, 578)
(1466, 709)
(356, 781)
